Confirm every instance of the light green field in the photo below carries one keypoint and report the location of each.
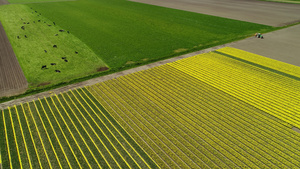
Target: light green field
(42, 36)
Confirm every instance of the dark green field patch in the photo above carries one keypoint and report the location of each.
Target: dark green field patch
(125, 33)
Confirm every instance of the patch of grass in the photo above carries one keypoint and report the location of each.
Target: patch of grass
(119, 31)
(37, 48)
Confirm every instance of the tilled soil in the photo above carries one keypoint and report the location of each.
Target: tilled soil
(12, 79)
(262, 12)
(3, 2)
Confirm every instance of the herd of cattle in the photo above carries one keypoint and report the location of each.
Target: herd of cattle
(54, 46)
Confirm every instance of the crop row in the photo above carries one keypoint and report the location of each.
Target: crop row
(249, 83)
(183, 122)
(274, 64)
(70, 130)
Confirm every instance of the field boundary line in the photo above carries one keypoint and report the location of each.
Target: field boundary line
(212, 138)
(6, 138)
(50, 165)
(25, 143)
(93, 131)
(135, 125)
(121, 127)
(120, 89)
(80, 133)
(15, 138)
(93, 81)
(204, 116)
(63, 134)
(69, 129)
(158, 133)
(54, 132)
(94, 88)
(37, 154)
(259, 66)
(114, 128)
(108, 130)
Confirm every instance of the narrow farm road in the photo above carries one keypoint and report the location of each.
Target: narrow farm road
(280, 45)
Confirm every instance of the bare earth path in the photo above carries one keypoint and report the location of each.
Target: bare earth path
(262, 12)
(12, 79)
(276, 45)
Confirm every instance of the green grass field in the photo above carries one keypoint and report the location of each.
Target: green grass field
(41, 34)
(117, 33)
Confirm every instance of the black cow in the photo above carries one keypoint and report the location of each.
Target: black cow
(52, 64)
(49, 25)
(24, 22)
(68, 31)
(76, 52)
(44, 67)
(27, 22)
(45, 51)
(35, 11)
(54, 46)
(25, 36)
(58, 71)
(23, 27)
(64, 57)
(56, 34)
(18, 37)
(53, 23)
(61, 30)
(39, 20)
(66, 60)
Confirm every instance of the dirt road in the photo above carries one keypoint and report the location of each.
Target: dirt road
(262, 12)
(12, 79)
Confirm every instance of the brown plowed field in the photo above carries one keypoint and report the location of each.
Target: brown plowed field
(3, 2)
(262, 12)
(12, 79)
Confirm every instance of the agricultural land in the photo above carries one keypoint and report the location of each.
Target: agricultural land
(223, 109)
(59, 42)
(149, 84)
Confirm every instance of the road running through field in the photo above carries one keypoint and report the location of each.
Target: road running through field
(262, 12)
(12, 79)
(283, 51)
